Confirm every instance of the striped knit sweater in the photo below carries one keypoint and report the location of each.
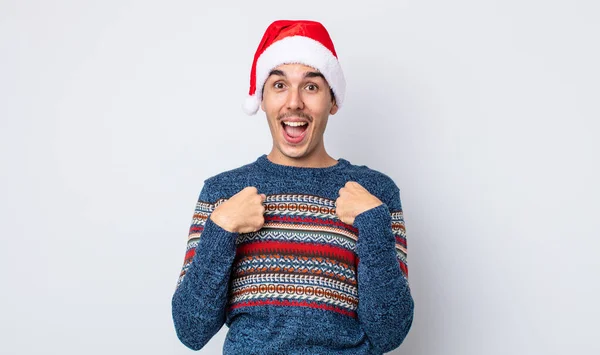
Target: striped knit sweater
(306, 283)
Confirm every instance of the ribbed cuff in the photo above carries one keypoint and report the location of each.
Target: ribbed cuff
(216, 242)
(374, 231)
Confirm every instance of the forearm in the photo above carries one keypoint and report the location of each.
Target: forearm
(386, 305)
(199, 302)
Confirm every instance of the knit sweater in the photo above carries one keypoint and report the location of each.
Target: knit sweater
(306, 282)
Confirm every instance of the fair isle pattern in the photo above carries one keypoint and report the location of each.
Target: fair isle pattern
(399, 231)
(325, 208)
(303, 256)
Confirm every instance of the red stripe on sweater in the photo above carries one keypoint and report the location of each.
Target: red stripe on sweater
(196, 229)
(401, 241)
(295, 304)
(296, 248)
(190, 254)
(403, 267)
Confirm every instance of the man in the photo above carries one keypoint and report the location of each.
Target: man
(297, 252)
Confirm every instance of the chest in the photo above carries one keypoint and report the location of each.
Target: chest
(303, 255)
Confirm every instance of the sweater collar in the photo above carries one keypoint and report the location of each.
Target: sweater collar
(295, 171)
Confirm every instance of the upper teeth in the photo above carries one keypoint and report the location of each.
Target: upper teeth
(295, 124)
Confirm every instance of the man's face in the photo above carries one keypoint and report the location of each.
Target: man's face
(296, 92)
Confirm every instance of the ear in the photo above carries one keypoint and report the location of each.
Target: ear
(334, 108)
(262, 104)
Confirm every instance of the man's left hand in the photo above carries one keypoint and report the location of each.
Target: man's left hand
(353, 200)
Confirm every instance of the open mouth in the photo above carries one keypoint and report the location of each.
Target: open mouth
(294, 133)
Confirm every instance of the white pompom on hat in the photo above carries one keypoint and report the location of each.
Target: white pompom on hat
(294, 41)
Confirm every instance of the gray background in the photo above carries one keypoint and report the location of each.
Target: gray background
(485, 113)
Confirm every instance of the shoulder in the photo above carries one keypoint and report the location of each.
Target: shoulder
(227, 183)
(367, 176)
(377, 182)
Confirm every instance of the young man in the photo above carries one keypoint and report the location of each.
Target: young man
(297, 252)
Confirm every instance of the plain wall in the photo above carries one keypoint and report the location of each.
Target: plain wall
(485, 114)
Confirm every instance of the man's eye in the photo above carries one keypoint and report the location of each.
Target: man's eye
(278, 85)
(312, 87)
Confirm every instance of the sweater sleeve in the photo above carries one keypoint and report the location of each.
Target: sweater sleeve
(385, 308)
(198, 304)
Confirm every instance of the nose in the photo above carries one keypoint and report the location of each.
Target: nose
(294, 99)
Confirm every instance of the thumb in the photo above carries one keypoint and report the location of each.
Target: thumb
(264, 197)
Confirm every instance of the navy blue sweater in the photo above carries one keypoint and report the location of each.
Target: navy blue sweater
(306, 283)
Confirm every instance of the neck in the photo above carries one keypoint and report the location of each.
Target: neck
(321, 160)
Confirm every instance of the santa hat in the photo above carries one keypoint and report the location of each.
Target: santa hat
(303, 42)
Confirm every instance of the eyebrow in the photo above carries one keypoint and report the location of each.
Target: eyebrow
(314, 74)
(310, 74)
(277, 72)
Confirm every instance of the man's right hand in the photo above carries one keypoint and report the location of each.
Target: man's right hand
(242, 213)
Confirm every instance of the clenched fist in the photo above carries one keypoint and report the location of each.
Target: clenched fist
(242, 213)
(353, 200)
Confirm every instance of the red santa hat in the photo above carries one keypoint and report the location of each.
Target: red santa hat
(303, 42)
